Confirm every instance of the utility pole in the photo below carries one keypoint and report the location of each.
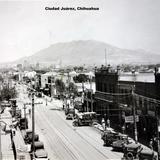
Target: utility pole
(0, 138)
(134, 117)
(25, 116)
(134, 109)
(158, 129)
(33, 126)
(51, 87)
(33, 123)
(105, 57)
(91, 94)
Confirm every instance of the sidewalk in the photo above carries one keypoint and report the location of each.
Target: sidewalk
(21, 147)
(6, 144)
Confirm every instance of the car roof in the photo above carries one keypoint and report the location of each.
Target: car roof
(41, 153)
(132, 145)
(147, 151)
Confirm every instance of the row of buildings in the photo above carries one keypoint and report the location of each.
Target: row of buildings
(113, 96)
(117, 95)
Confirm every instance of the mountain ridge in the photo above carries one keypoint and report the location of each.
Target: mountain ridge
(90, 52)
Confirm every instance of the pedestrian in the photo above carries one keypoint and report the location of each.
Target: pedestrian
(103, 123)
(151, 144)
(29, 110)
(63, 106)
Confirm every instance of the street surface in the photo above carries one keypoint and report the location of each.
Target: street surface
(63, 141)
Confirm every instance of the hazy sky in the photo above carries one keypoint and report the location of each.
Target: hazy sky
(26, 27)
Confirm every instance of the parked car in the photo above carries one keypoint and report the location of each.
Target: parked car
(147, 154)
(132, 151)
(23, 123)
(119, 144)
(28, 137)
(40, 153)
(70, 116)
(18, 113)
(70, 111)
(137, 152)
(38, 145)
(109, 137)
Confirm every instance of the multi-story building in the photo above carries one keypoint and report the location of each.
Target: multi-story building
(116, 98)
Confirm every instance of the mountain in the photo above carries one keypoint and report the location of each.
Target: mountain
(90, 52)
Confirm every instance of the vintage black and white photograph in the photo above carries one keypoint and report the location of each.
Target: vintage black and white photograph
(79, 79)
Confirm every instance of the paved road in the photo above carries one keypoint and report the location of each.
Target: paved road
(65, 142)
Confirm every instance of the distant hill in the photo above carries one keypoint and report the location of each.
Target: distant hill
(90, 52)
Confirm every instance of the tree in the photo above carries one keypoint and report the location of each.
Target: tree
(8, 93)
(60, 86)
(81, 78)
(72, 88)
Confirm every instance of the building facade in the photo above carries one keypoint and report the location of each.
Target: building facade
(115, 100)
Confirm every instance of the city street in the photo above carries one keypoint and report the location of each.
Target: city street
(63, 141)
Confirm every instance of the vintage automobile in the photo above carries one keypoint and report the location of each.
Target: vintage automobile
(119, 144)
(109, 137)
(84, 119)
(23, 123)
(70, 116)
(147, 154)
(18, 113)
(132, 151)
(70, 111)
(28, 137)
(135, 151)
(39, 94)
(40, 153)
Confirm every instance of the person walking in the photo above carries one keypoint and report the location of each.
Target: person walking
(29, 111)
(103, 123)
(151, 144)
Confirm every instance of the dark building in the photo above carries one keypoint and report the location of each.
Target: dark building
(89, 101)
(106, 87)
(115, 100)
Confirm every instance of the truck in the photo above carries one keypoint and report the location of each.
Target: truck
(83, 119)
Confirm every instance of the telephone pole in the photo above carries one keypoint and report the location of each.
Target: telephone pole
(105, 57)
(91, 93)
(134, 108)
(158, 130)
(25, 116)
(134, 117)
(33, 126)
(0, 139)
